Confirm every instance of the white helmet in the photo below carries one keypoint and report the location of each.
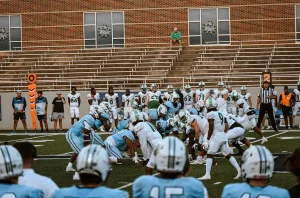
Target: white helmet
(187, 88)
(170, 155)
(162, 109)
(221, 84)
(201, 83)
(144, 87)
(136, 116)
(243, 90)
(11, 163)
(298, 83)
(106, 107)
(173, 96)
(93, 160)
(257, 163)
(235, 96)
(121, 115)
(211, 103)
(135, 105)
(240, 101)
(170, 88)
(184, 115)
(152, 87)
(95, 110)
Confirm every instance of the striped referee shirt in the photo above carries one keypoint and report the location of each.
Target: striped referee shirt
(264, 93)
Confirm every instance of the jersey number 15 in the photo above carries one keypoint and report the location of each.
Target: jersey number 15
(169, 192)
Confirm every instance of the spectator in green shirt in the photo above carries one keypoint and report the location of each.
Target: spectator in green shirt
(175, 37)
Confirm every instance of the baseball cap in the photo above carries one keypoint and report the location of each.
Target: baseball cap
(19, 91)
(58, 92)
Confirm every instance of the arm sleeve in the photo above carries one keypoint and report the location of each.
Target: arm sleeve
(53, 102)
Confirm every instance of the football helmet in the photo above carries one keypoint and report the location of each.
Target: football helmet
(201, 84)
(93, 160)
(184, 115)
(170, 88)
(135, 105)
(174, 97)
(144, 87)
(257, 163)
(243, 90)
(211, 103)
(106, 107)
(199, 105)
(240, 101)
(162, 109)
(153, 87)
(170, 155)
(187, 87)
(235, 96)
(220, 85)
(121, 115)
(95, 110)
(11, 163)
(136, 116)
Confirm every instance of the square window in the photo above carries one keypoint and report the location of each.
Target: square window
(118, 31)
(89, 43)
(194, 28)
(298, 37)
(15, 21)
(15, 46)
(195, 40)
(224, 39)
(118, 42)
(118, 17)
(223, 13)
(89, 32)
(89, 18)
(298, 25)
(298, 11)
(15, 34)
(194, 14)
(223, 27)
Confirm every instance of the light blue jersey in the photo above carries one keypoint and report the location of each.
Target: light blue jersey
(81, 192)
(19, 191)
(78, 127)
(121, 125)
(118, 137)
(151, 186)
(98, 123)
(164, 126)
(171, 109)
(244, 190)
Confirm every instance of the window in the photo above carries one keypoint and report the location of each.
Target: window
(297, 23)
(209, 26)
(104, 29)
(10, 33)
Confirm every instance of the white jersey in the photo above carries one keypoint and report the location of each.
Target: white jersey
(219, 121)
(202, 95)
(202, 123)
(112, 99)
(188, 97)
(297, 95)
(128, 100)
(154, 96)
(95, 99)
(245, 97)
(230, 121)
(143, 97)
(230, 101)
(74, 99)
(245, 109)
(273, 101)
(167, 96)
(219, 94)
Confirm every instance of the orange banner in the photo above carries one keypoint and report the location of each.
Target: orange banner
(32, 96)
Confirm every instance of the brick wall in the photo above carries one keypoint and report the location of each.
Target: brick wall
(56, 22)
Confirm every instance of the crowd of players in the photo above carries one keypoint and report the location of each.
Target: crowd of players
(209, 121)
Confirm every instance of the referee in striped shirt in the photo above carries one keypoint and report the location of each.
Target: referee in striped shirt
(264, 103)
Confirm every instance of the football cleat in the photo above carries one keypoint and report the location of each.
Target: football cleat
(70, 169)
(238, 176)
(205, 177)
(76, 176)
(264, 140)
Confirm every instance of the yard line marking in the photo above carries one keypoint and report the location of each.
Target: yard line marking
(64, 153)
(26, 138)
(130, 184)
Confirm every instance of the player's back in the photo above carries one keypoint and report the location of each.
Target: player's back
(245, 190)
(19, 191)
(119, 136)
(219, 120)
(122, 124)
(78, 127)
(201, 121)
(151, 186)
(98, 192)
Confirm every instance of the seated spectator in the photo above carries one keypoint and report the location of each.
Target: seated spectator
(293, 165)
(29, 177)
(176, 38)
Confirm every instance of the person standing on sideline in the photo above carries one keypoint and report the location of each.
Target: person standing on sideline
(58, 110)
(264, 99)
(19, 105)
(29, 177)
(93, 97)
(286, 102)
(41, 106)
(74, 103)
(176, 38)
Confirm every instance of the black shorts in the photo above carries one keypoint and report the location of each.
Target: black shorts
(287, 110)
(42, 117)
(19, 115)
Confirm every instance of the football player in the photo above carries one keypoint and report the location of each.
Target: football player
(246, 95)
(188, 97)
(202, 94)
(153, 101)
(113, 99)
(74, 103)
(122, 124)
(93, 97)
(136, 107)
(221, 95)
(200, 107)
(247, 113)
(168, 93)
(11, 167)
(142, 98)
(127, 100)
(148, 136)
(172, 165)
(297, 102)
(163, 124)
(93, 167)
(173, 105)
(231, 100)
(257, 171)
(217, 139)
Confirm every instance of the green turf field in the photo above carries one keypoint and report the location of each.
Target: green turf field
(123, 175)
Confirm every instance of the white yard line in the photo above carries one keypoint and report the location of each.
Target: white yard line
(130, 184)
(26, 138)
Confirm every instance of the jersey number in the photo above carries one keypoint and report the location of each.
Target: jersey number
(127, 102)
(8, 195)
(248, 195)
(154, 97)
(111, 102)
(201, 96)
(221, 117)
(74, 100)
(188, 98)
(169, 192)
(143, 99)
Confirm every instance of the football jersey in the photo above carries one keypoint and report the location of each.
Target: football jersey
(122, 125)
(82, 192)
(188, 97)
(219, 121)
(167, 96)
(112, 99)
(245, 97)
(273, 101)
(86, 122)
(128, 100)
(171, 109)
(220, 94)
(119, 138)
(202, 95)
(96, 98)
(151, 186)
(245, 109)
(201, 121)
(244, 190)
(8, 190)
(153, 102)
(230, 102)
(297, 94)
(74, 99)
(143, 97)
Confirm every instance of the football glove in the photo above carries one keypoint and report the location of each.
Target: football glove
(205, 145)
